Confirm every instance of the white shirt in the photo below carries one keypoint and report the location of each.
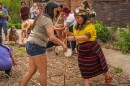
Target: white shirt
(70, 19)
(34, 12)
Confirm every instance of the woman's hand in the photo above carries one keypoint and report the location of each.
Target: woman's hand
(68, 32)
(64, 48)
(71, 38)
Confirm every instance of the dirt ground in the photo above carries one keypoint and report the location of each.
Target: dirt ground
(56, 67)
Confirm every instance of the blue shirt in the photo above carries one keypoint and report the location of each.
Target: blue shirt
(3, 20)
(5, 60)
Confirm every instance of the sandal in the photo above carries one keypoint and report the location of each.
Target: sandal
(108, 79)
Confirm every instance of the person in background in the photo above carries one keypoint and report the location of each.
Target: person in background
(41, 8)
(13, 35)
(34, 11)
(59, 24)
(6, 58)
(86, 6)
(42, 32)
(69, 22)
(24, 12)
(91, 60)
(3, 21)
(27, 26)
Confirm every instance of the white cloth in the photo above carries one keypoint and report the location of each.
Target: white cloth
(34, 12)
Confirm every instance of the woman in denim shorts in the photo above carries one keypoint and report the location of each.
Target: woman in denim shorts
(42, 32)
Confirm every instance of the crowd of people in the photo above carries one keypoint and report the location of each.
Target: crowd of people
(56, 25)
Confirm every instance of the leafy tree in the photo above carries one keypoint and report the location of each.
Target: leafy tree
(13, 6)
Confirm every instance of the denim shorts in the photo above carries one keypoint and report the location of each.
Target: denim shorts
(34, 49)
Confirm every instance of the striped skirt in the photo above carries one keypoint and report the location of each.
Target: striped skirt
(91, 59)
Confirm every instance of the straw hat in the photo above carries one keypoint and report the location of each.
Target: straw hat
(26, 24)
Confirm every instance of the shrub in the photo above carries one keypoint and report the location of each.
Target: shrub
(102, 31)
(13, 6)
(124, 43)
(17, 25)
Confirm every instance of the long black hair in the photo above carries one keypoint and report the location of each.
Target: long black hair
(49, 9)
(80, 27)
(58, 12)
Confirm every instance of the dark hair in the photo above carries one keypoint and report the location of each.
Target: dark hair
(58, 12)
(11, 32)
(66, 10)
(85, 18)
(0, 3)
(23, 2)
(49, 8)
(60, 5)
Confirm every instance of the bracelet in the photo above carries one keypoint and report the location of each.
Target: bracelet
(73, 38)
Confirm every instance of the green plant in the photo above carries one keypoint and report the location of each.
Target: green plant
(22, 49)
(118, 70)
(102, 31)
(124, 43)
(16, 53)
(17, 25)
(13, 7)
(112, 31)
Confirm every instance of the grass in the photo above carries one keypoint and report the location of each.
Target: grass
(16, 53)
(118, 70)
(22, 49)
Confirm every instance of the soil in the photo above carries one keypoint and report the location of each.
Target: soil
(56, 68)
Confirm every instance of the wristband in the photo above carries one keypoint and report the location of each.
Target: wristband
(73, 38)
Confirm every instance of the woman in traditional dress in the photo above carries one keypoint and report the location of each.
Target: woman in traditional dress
(91, 59)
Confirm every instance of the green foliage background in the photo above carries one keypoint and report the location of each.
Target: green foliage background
(14, 9)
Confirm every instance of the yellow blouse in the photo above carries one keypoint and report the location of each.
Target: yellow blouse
(88, 28)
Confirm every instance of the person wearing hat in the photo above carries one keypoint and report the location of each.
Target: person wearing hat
(6, 58)
(91, 60)
(69, 22)
(85, 5)
(24, 13)
(26, 29)
(13, 35)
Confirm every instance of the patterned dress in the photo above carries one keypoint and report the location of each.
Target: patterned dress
(91, 59)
